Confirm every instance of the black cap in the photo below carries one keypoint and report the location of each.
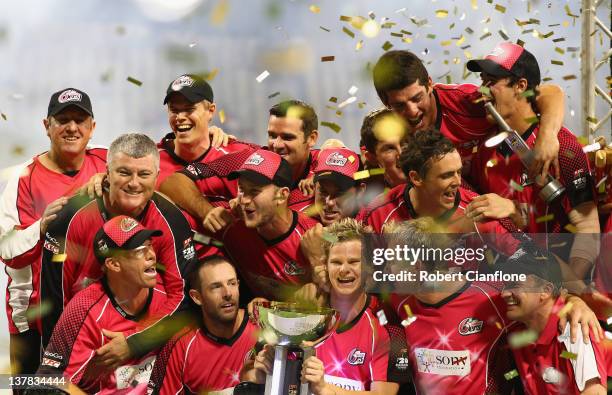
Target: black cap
(508, 59)
(193, 87)
(529, 259)
(121, 233)
(69, 97)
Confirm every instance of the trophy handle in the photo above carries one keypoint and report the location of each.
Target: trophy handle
(274, 381)
(307, 353)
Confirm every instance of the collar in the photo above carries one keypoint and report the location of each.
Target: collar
(448, 299)
(505, 150)
(106, 215)
(355, 320)
(551, 330)
(282, 237)
(125, 314)
(167, 144)
(227, 341)
(442, 217)
(305, 173)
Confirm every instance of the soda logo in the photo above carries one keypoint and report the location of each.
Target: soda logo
(356, 357)
(470, 326)
(451, 361)
(69, 95)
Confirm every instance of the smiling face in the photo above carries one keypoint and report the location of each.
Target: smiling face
(259, 203)
(286, 138)
(69, 131)
(218, 294)
(524, 298)
(344, 268)
(416, 104)
(189, 121)
(132, 183)
(137, 266)
(441, 182)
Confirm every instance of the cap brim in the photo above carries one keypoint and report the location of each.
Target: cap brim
(192, 98)
(64, 106)
(488, 66)
(343, 182)
(139, 238)
(251, 175)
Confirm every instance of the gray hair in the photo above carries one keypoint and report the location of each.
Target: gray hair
(134, 145)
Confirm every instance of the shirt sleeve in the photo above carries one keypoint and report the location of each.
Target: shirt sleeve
(575, 172)
(167, 375)
(380, 354)
(589, 359)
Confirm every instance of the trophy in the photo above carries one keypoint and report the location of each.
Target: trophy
(286, 326)
(553, 188)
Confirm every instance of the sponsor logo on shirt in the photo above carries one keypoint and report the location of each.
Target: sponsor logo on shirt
(47, 245)
(336, 159)
(50, 362)
(69, 95)
(181, 82)
(580, 179)
(443, 362)
(343, 382)
(356, 357)
(131, 376)
(254, 160)
(192, 170)
(470, 326)
(292, 268)
(52, 359)
(188, 249)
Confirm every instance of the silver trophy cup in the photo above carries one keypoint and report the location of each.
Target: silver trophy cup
(286, 326)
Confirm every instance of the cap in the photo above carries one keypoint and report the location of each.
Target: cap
(265, 167)
(69, 97)
(193, 87)
(529, 259)
(508, 59)
(338, 165)
(121, 233)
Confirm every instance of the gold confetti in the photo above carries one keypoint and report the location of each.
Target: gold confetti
(327, 58)
(408, 311)
(222, 116)
(474, 5)
(407, 40)
(324, 28)
(134, 81)
(38, 311)
(592, 119)
(387, 46)
(314, 9)
(441, 13)
(360, 175)
(528, 93)
(487, 34)
(485, 90)
(345, 18)
(468, 30)
(556, 40)
(349, 32)
(431, 36)
(511, 374)
(387, 25)
(500, 8)
(219, 12)
(520, 339)
(333, 99)
(570, 228)
(563, 312)
(211, 75)
(557, 62)
(460, 41)
(313, 210)
(446, 43)
(569, 77)
(532, 120)
(515, 186)
(559, 50)
(491, 162)
(333, 126)
(503, 35)
(499, 325)
(568, 355)
(262, 76)
(273, 95)
(359, 45)
(545, 218)
(58, 258)
(377, 171)
(3, 115)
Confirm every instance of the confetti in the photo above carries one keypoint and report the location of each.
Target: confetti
(262, 76)
(491, 162)
(397, 35)
(488, 34)
(511, 374)
(500, 8)
(222, 116)
(211, 75)
(431, 36)
(58, 257)
(545, 218)
(441, 13)
(360, 175)
(560, 50)
(352, 90)
(324, 28)
(485, 90)
(570, 228)
(503, 35)
(333, 126)
(532, 120)
(219, 12)
(314, 9)
(592, 119)
(468, 30)
(446, 43)
(359, 45)
(3, 115)
(557, 40)
(312, 210)
(407, 40)
(372, 15)
(329, 237)
(361, 105)
(499, 325)
(191, 45)
(327, 58)
(528, 93)
(563, 312)
(515, 186)
(273, 95)
(345, 18)
(474, 5)
(348, 101)
(460, 41)
(387, 46)
(349, 32)
(568, 355)
(134, 81)
(557, 62)
(333, 99)
(388, 25)
(382, 318)
(609, 321)
(569, 77)
(377, 171)
(408, 321)
(520, 339)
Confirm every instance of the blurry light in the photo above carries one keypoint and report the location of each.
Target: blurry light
(370, 29)
(496, 140)
(167, 10)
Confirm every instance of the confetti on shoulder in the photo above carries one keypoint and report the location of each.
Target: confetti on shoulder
(262, 76)
(134, 81)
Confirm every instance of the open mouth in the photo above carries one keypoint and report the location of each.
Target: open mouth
(510, 302)
(184, 128)
(416, 121)
(228, 306)
(346, 281)
(71, 138)
(151, 272)
(132, 193)
(450, 195)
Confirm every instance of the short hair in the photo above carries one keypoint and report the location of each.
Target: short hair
(396, 70)
(193, 278)
(134, 145)
(346, 229)
(421, 149)
(368, 137)
(297, 109)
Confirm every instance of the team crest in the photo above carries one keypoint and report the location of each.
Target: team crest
(497, 51)
(336, 159)
(254, 160)
(128, 224)
(69, 95)
(356, 357)
(181, 82)
(470, 326)
(292, 268)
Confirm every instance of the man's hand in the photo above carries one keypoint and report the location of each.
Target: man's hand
(312, 245)
(252, 303)
(313, 372)
(493, 206)
(307, 186)
(217, 219)
(115, 352)
(50, 213)
(218, 138)
(264, 361)
(545, 154)
(94, 186)
(580, 315)
(311, 294)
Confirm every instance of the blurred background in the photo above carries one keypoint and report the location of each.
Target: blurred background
(125, 53)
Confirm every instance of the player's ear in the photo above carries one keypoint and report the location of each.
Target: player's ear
(415, 178)
(282, 194)
(112, 265)
(195, 296)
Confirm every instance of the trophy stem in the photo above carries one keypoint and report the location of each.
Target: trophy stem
(274, 381)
